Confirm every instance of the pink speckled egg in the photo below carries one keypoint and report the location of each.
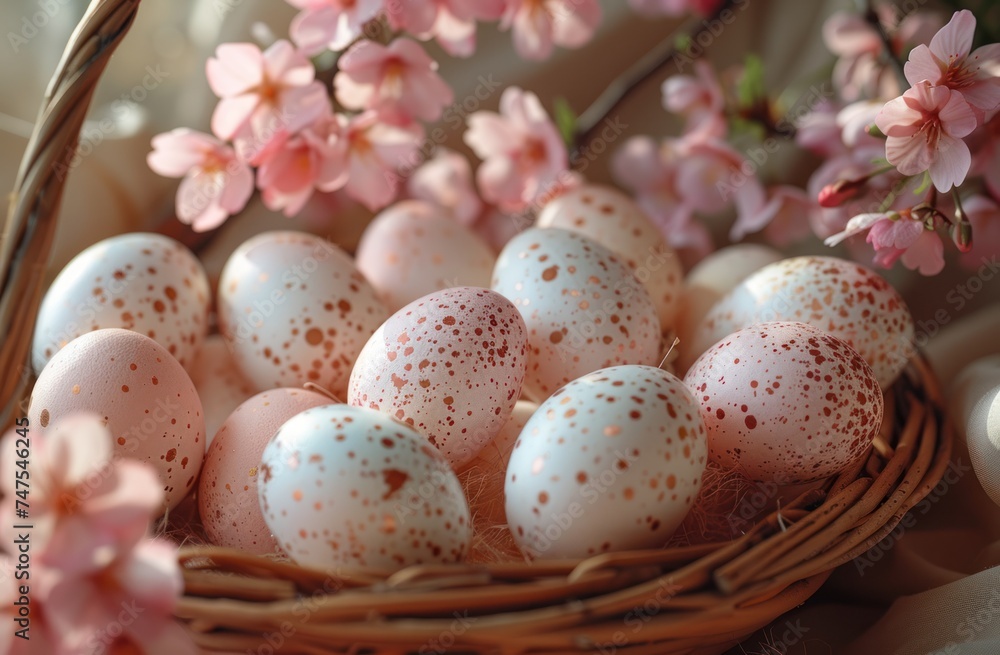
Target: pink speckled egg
(349, 486)
(840, 297)
(483, 477)
(612, 461)
(786, 402)
(147, 283)
(294, 309)
(144, 395)
(220, 384)
(449, 364)
(413, 248)
(707, 283)
(227, 491)
(615, 221)
(583, 307)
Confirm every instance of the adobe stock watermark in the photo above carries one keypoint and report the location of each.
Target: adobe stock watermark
(241, 328)
(955, 472)
(32, 24)
(711, 30)
(542, 538)
(94, 134)
(307, 605)
(973, 625)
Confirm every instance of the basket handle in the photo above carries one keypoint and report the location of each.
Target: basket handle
(28, 232)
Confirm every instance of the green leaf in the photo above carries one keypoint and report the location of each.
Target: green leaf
(565, 121)
(751, 85)
(682, 42)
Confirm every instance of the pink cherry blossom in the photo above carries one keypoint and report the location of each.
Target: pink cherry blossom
(373, 151)
(674, 7)
(948, 61)
(399, 81)
(819, 132)
(125, 607)
(784, 219)
(522, 150)
(331, 24)
(308, 161)
(539, 25)
(697, 97)
(446, 180)
(984, 215)
(897, 236)
(85, 507)
(986, 157)
(264, 96)
(216, 184)
(451, 22)
(925, 127)
(41, 639)
(860, 70)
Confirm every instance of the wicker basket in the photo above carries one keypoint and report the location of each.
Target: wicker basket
(697, 599)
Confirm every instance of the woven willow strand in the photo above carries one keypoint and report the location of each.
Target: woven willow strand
(28, 232)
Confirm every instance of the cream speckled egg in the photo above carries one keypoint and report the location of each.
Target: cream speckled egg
(227, 491)
(709, 282)
(147, 283)
(450, 364)
(615, 221)
(144, 395)
(612, 461)
(413, 248)
(840, 297)
(294, 309)
(348, 486)
(786, 402)
(483, 477)
(220, 384)
(583, 307)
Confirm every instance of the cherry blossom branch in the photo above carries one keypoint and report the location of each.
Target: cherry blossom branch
(590, 120)
(871, 17)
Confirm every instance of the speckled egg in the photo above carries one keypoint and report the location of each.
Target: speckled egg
(615, 221)
(220, 384)
(227, 491)
(612, 461)
(483, 477)
(413, 248)
(294, 309)
(348, 486)
(147, 283)
(144, 395)
(707, 283)
(583, 307)
(840, 297)
(786, 402)
(450, 364)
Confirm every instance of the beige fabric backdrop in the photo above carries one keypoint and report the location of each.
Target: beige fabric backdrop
(928, 588)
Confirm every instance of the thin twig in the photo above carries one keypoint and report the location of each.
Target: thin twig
(871, 17)
(590, 120)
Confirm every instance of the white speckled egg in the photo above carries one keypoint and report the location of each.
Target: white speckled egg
(583, 307)
(144, 395)
(612, 461)
(786, 402)
(348, 486)
(294, 310)
(483, 477)
(450, 364)
(413, 248)
(615, 221)
(840, 297)
(709, 282)
(227, 491)
(220, 384)
(147, 283)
